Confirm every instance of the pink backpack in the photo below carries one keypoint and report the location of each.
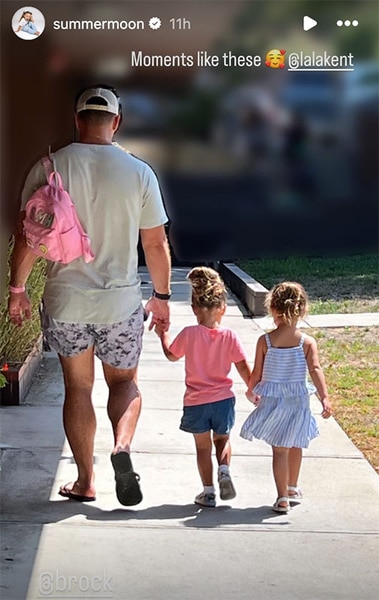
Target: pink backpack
(51, 225)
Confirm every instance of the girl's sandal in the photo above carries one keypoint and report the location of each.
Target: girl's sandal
(297, 495)
(281, 509)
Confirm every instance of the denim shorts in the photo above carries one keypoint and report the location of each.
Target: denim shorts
(115, 344)
(215, 416)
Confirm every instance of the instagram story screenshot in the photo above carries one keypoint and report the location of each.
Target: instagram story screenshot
(255, 122)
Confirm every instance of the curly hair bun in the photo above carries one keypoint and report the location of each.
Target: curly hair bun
(208, 289)
(288, 299)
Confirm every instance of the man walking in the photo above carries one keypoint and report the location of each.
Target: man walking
(95, 308)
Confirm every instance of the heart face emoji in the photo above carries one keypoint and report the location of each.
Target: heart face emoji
(275, 59)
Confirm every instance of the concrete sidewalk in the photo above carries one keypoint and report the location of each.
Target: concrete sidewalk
(167, 548)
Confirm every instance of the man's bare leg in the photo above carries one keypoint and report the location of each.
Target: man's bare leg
(79, 419)
(124, 407)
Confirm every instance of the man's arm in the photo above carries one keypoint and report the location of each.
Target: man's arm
(158, 261)
(21, 263)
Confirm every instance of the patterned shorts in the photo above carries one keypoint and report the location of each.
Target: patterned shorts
(116, 344)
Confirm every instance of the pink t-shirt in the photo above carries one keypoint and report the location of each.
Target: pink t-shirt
(209, 354)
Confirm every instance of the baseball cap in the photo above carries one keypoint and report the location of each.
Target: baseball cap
(98, 98)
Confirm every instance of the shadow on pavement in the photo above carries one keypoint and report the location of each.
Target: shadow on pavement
(188, 515)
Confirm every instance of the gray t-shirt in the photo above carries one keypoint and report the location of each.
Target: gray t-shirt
(115, 195)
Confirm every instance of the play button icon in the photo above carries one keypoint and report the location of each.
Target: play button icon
(309, 23)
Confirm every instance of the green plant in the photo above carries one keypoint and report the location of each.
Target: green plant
(17, 342)
(3, 381)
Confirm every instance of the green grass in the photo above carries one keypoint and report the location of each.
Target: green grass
(348, 284)
(349, 357)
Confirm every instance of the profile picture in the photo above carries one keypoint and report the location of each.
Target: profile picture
(28, 23)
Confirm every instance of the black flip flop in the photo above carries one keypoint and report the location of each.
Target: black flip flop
(77, 497)
(128, 490)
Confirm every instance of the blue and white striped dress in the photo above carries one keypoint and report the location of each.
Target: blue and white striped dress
(283, 416)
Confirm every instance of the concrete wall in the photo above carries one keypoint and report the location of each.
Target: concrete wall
(248, 290)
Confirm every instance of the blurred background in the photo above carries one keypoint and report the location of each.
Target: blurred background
(252, 161)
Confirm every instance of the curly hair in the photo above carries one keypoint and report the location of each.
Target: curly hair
(288, 299)
(208, 289)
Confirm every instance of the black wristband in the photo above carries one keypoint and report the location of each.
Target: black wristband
(161, 296)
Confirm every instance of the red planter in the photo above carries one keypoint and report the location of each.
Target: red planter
(19, 377)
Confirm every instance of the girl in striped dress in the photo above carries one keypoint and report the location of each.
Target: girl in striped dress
(278, 387)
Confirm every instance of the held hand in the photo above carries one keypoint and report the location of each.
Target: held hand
(327, 408)
(252, 397)
(159, 329)
(19, 308)
(160, 310)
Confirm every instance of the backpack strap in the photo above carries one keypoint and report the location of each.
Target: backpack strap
(52, 176)
(87, 252)
(88, 255)
(48, 166)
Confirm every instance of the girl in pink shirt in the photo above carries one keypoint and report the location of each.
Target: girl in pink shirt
(209, 351)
